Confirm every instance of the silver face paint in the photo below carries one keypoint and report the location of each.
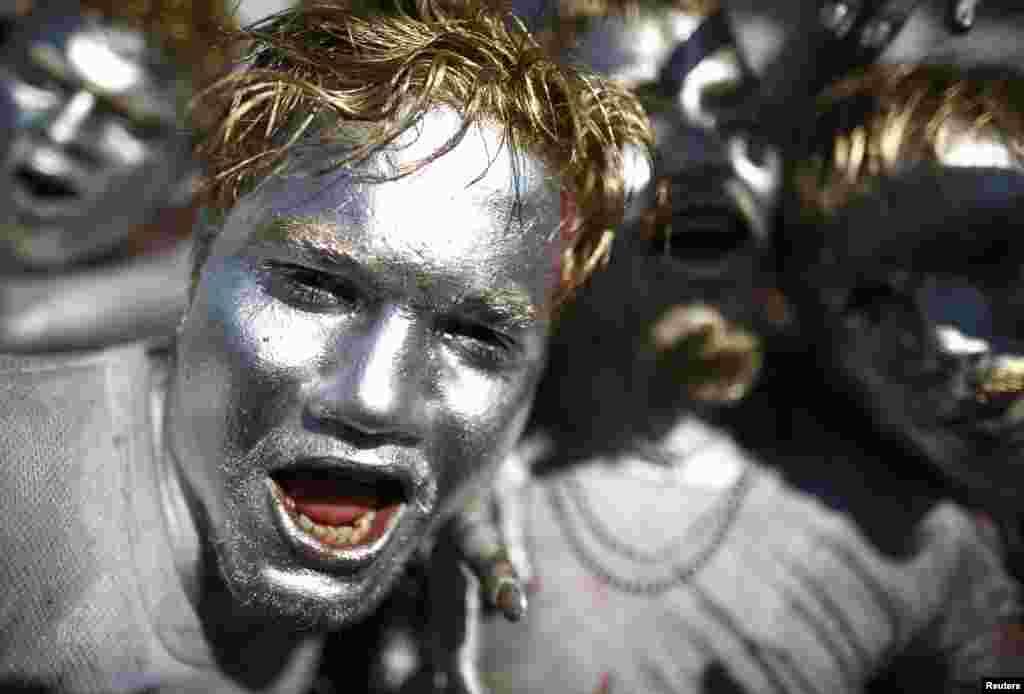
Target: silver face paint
(390, 332)
(95, 143)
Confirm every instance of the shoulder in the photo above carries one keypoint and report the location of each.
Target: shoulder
(54, 405)
(26, 366)
(74, 442)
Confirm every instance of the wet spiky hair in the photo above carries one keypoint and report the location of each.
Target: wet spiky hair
(892, 117)
(349, 63)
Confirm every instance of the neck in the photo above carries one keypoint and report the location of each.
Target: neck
(177, 514)
(199, 622)
(172, 567)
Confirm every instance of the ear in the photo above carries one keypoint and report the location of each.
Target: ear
(570, 221)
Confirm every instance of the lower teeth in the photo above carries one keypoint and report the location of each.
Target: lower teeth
(337, 535)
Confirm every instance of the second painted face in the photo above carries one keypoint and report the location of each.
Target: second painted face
(357, 354)
(94, 143)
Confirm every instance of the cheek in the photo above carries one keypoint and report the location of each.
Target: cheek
(483, 417)
(476, 398)
(244, 358)
(255, 330)
(125, 149)
(281, 338)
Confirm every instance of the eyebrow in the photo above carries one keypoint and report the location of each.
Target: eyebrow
(500, 307)
(47, 58)
(316, 240)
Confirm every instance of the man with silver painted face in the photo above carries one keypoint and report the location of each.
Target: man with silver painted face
(776, 547)
(395, 216)
(97, 178)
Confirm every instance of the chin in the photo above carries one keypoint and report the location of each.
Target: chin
(296, 598)
(268, 575)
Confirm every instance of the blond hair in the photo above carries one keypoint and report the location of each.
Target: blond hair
(889, 118)
(347, 64)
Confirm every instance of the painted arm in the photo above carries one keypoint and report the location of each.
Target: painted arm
(139, 299)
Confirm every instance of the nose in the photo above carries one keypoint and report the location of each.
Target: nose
(69, 120)
(377, 385)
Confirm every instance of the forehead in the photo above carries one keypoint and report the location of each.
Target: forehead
(93, 52)
(475, 209)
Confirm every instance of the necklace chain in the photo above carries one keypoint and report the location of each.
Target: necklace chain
(721, 517)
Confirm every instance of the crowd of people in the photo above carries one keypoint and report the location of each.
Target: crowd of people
(694, 369)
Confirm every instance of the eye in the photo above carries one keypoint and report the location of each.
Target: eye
(31, 74)
(312, 289)
(137, 116)
(480, 342)
(40, 80)
(697, 221)
(654, 96)
(141, 129)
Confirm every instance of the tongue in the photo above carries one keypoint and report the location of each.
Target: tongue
(318, 501)
(334, 510)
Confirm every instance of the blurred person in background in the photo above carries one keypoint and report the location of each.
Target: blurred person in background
(98, 178)
(790, 542)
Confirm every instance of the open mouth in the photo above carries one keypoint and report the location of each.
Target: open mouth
(705, 226)
(961, 317)
(996, 387)
(341, 516)
(706, 233)
(44, 186)
(939, 335)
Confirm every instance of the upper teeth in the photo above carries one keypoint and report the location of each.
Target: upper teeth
(1004, 375)
(993, 375)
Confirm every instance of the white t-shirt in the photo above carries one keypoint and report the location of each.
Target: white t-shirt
(629, 595)
(90, 598)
